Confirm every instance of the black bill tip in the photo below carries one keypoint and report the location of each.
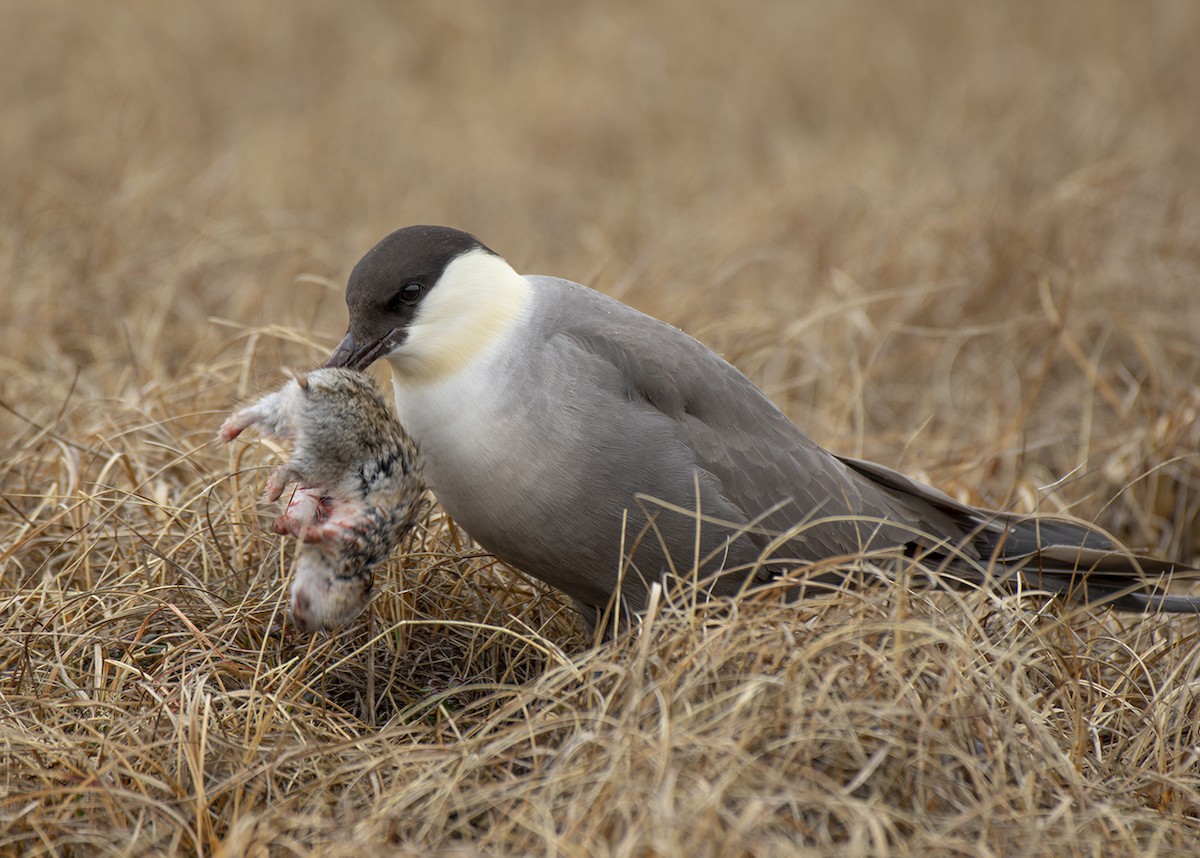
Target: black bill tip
(351, 355)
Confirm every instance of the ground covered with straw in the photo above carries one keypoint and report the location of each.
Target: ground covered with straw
(958, 239)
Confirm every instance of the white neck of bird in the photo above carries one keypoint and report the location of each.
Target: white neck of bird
(478, 299)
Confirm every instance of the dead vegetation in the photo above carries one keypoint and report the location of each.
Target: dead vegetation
(955, 238)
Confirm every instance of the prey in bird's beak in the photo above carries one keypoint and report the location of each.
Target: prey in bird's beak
(351, 355)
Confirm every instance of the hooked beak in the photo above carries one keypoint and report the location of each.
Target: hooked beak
(351, 355)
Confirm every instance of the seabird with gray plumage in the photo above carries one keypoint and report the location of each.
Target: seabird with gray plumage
(599, 449)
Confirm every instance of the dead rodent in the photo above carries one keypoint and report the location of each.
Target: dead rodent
(358, 486)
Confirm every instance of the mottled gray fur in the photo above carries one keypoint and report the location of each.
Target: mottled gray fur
(358, 486)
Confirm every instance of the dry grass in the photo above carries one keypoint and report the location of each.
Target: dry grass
(953, 237)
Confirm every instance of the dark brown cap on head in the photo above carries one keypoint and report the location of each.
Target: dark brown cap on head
(388, 284)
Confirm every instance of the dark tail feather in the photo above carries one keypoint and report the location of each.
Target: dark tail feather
(1150, 603)
(1103, 575)
(1055, 555)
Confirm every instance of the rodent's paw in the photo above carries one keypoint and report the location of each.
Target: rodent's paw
(234, 425)
(274, 488)
(351, 533)
(279, 479)
(273, 414)
(341, 521)
(306, 506)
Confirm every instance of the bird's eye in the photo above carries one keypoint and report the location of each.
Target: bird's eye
(411, 293)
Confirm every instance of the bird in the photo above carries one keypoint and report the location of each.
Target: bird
(359, 486)
(604, 451)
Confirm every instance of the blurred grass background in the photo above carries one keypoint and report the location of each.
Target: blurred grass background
(960, 239)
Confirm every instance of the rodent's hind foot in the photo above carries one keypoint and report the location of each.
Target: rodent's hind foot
(306, 506)
(342, 521)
